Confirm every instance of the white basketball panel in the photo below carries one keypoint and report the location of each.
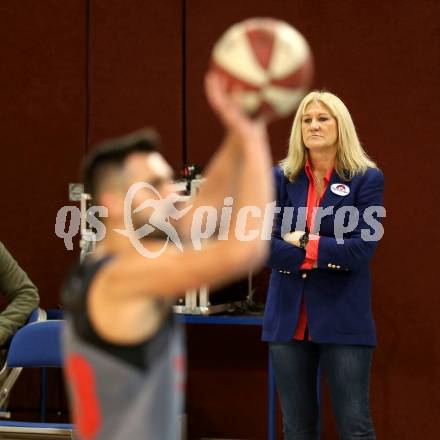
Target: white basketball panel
(289, 53)
(234, 53)
(282, 99)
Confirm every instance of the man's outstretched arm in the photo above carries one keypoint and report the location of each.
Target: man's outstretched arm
(219, 261)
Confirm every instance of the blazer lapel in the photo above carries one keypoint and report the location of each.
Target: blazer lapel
(297, 190)
(297, 196)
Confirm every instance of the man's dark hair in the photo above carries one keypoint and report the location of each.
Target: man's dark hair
(111, 154)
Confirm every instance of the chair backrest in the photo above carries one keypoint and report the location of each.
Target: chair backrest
(55, 314)
(37, 315)
(37, 345)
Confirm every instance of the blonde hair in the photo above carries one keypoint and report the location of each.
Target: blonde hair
(351, 158)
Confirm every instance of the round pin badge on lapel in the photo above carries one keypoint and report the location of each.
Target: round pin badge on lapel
(340, 189)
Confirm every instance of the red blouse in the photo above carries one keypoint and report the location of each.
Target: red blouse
(312, 247)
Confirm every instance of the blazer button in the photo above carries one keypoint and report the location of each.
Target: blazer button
(329, 265)
(287, 272)
(333, 266)
(338, 267)
(304, 275)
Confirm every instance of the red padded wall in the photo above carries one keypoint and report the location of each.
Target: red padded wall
(135, 70)
(43, 129)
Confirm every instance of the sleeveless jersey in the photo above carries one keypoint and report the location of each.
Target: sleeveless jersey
(120, 392)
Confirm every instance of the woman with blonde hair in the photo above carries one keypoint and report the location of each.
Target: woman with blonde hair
(318, 310)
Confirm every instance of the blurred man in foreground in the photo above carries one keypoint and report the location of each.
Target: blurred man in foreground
(123, 347)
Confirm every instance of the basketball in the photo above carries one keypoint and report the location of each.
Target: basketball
(268, 61)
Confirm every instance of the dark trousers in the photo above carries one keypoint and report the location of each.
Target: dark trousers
(347, 368)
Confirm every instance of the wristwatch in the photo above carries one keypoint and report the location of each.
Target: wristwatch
(303, 240)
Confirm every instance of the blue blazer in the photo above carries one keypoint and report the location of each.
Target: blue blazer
(337, 293)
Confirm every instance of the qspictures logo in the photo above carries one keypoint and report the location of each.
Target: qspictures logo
(207, 222)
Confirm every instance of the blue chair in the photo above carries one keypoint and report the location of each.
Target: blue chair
(8, 376)
(36, 345)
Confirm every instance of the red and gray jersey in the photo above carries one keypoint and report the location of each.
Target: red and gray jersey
(113, 397)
